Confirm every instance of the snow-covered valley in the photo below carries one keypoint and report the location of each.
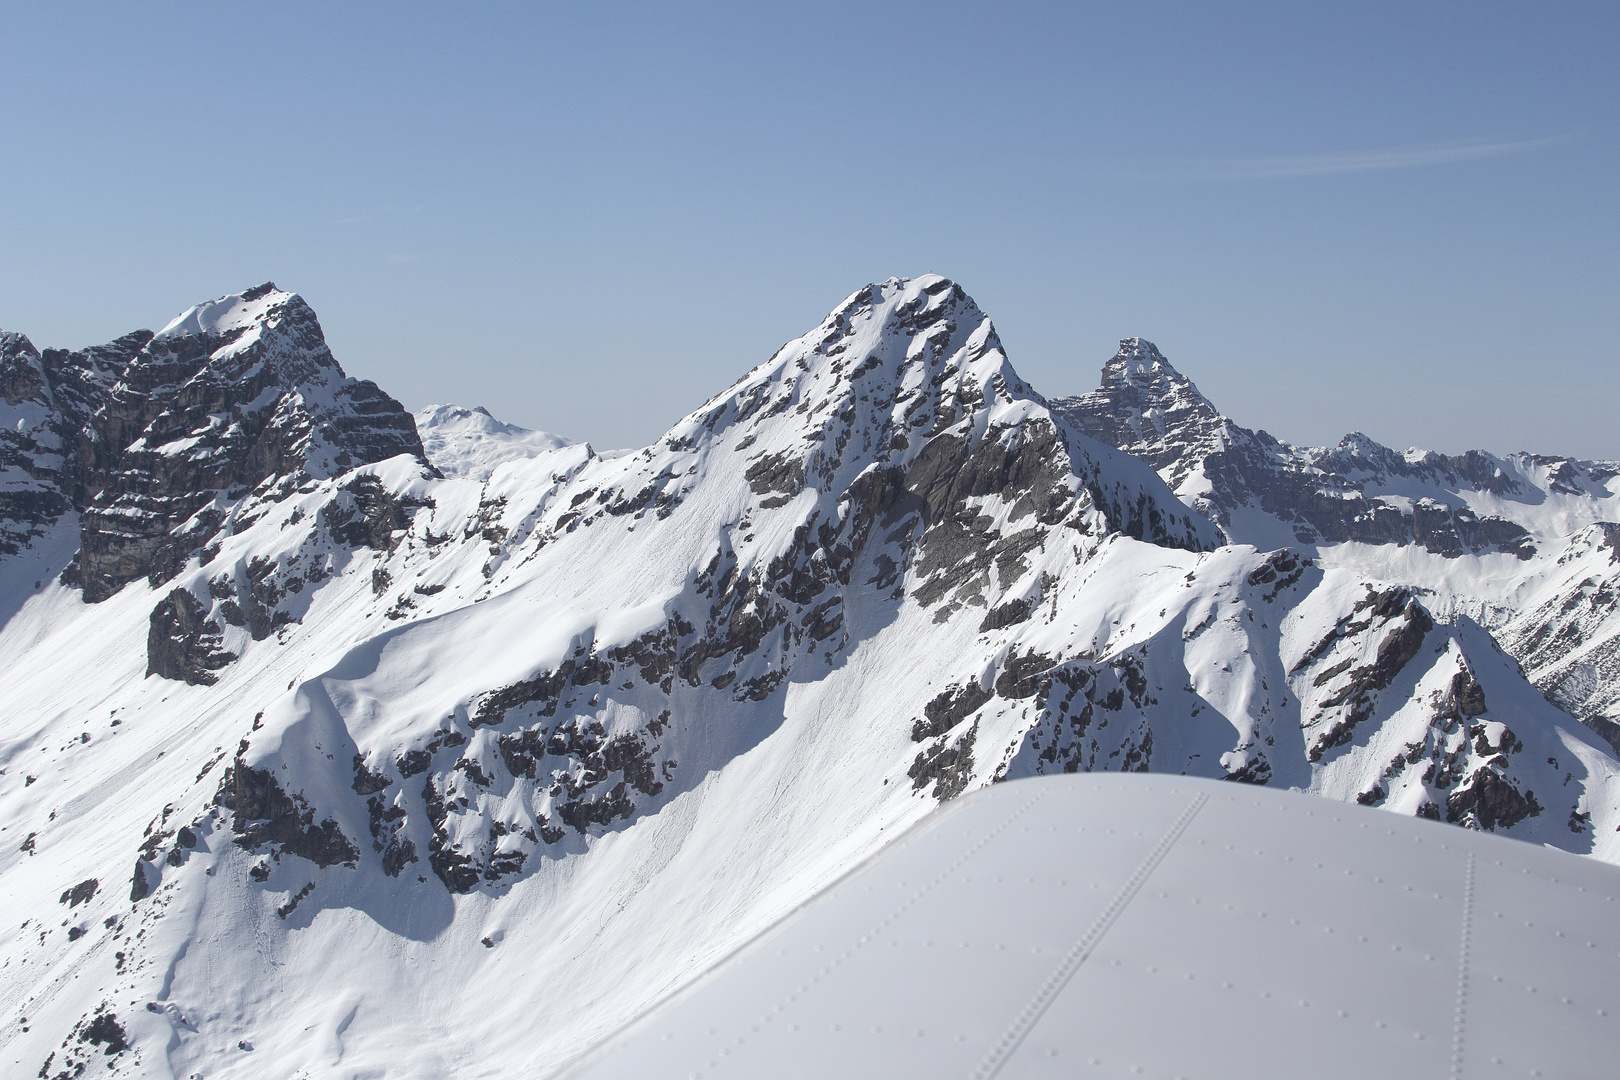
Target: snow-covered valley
(339, 742)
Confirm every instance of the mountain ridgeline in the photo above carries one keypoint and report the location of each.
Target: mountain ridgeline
(313, 693)
(1558, 612)
(152, 437)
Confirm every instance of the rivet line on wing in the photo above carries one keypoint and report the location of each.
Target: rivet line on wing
(1462, 974)
(1032, 1012)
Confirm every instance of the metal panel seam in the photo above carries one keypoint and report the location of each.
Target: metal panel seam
(1013, 1037)
(1462, 973)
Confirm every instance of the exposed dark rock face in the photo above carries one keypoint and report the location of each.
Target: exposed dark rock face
(265, 816)
(387, 817)
(367, 782)
(454, 867)
(1147, 408)
(947, 710)
(1399, 623)
(1282, 570)
(1085, 715)
(946, 765)
(140, 886)
(99, 1031)
(1091, 716)
(239, 394)
(154, 437)
(49, 398)
(588, 776)
(105, 1031)
(80, 893)
(1463, 760)
(1490, 802)
(294, 900)
(1568, 643)
(365, 515)
(183, 643)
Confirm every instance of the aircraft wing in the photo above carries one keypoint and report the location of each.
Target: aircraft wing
(1152, 926)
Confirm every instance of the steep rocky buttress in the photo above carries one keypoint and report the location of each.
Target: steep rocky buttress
(154, 437)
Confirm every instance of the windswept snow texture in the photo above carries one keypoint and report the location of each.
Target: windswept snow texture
(469, 443)
(1525, 544)
(377, 738)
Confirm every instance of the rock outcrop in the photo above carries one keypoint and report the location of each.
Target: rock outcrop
(49, 398)
(154, 437)
(237, 396)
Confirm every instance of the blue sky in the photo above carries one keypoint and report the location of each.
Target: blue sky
(1395, 218)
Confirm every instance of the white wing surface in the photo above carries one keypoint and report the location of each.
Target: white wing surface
(1113, 926)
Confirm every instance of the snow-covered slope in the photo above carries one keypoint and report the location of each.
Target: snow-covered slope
(386, 744)
(1516, 542)
(470, 442)
(1564, 626)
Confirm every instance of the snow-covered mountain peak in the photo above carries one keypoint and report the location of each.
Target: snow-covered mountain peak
(901, 330)
(12, 343)
(232, 312)
(1146, 407)
(1361, 445)
(1138, 362)
(261, 334)
(1139, 376)
(1517, 540)
(19, 368)
(154, 438)
(905, 383)
(470, 443)
(902, 333)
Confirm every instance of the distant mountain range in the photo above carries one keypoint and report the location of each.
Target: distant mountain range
(340, 741)
(1553, 608)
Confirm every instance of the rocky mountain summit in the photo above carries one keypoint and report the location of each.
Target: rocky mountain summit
(325, 714)
(1322, 495)
(50, 398)
(154, 437)
(1553, 607)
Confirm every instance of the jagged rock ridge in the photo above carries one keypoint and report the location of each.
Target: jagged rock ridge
(1554, 607)
(154, 437)
(50, 398)
(232, 395)
(1324, 495)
